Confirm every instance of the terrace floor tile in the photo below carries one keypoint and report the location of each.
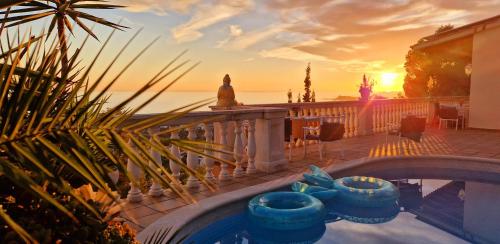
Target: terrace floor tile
(469, 142)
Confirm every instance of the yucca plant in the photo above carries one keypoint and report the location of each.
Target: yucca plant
(62, 13)
(54, 140)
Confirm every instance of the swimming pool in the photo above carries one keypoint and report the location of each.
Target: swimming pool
(343, 224)
(478, 216)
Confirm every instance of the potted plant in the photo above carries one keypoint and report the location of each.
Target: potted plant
(366, 88)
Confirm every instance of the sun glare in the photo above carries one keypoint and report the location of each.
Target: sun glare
(387, 80)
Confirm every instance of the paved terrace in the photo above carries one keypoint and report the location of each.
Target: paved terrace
(475, 143)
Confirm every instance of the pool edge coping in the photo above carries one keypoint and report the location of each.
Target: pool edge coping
(180, 218)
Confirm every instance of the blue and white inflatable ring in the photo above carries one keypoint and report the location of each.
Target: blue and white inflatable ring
(365, 191)
(285, 210)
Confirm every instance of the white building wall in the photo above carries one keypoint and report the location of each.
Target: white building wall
(485, 83)
(482, 212)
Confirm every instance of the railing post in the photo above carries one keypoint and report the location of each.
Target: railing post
(207, 161)
(224, 173)
(238, 149)
(251, 147)
(155, 190)
(192, 160)
(134, 194)
(366, 118)
(270, 138)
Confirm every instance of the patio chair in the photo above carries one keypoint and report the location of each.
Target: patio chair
(411, 127)
(328, 132)
(449, 113)
(293, 131)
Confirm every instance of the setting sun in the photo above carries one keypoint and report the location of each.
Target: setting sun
(388, 80)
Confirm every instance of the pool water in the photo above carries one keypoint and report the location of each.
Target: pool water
(343, 224)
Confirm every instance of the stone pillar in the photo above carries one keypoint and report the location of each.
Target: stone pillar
(270, 139)
(365, 119)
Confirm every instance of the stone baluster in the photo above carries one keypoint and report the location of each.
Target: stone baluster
(192, 161)
(238, 150)
(251, 148)
(397, 113)
(385, 116)
(335, 111)
(379, 118)
(393, 118)
(349, 130)
(347, 120)
(207, 161)
(155, 190)
(134, 194)
(330, 111)
(174, 166)
(244, 139)
(224, 172)
(376, 113)
(356, 121)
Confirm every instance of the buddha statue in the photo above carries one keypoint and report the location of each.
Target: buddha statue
(225, 95)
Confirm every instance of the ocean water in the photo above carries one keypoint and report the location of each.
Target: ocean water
(174, 99)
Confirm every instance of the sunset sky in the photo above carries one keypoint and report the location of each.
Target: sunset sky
(265, 45)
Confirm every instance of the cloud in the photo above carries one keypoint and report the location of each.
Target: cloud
(350, 65)
(251, 38)
(358, 66)
(234, 31)
(365, 36)
(207, 15)
(291, 54)
(159, 7)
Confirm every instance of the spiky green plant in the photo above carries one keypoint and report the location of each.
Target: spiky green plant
(61, 12)
(54, 139)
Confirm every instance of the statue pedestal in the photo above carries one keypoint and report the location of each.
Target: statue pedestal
(269, 135)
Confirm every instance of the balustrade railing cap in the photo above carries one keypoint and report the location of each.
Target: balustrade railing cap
(242, 113)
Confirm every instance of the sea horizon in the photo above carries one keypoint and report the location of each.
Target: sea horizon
(170, 100)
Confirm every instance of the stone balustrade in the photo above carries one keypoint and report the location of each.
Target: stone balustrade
(368, 117)
(254, 135)
(249, 137)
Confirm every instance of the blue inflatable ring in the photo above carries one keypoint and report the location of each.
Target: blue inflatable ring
(285, 210)
(365, 191)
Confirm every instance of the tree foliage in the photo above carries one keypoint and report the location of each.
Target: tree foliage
(437, 72)
(307, 85)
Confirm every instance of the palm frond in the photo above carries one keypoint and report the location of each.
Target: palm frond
(54, 137)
